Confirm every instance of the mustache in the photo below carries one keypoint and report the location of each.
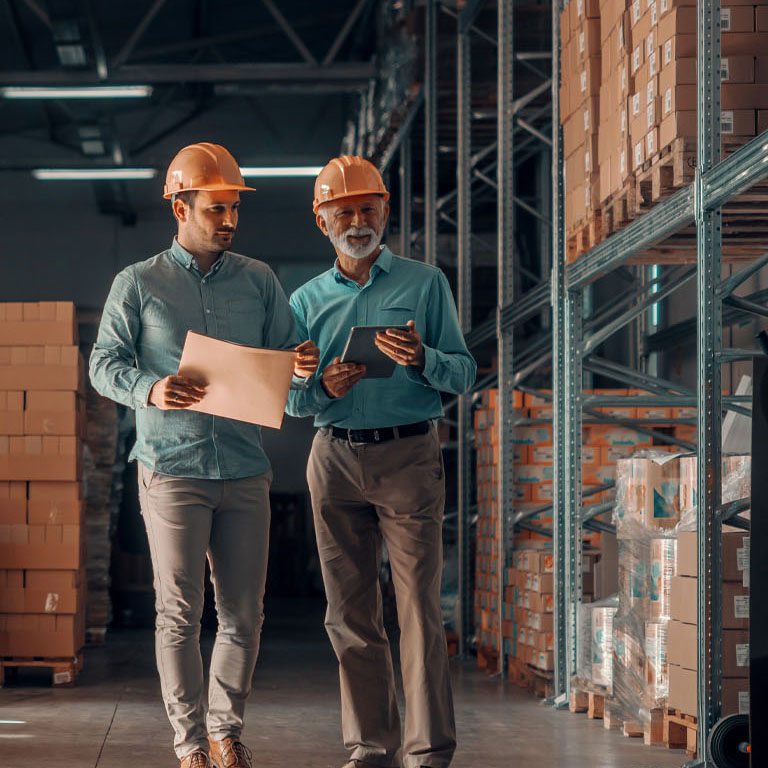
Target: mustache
(359, 232)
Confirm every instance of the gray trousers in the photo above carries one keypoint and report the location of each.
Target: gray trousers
(227, 520)
(362, 494)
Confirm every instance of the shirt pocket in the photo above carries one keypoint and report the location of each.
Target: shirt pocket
(246, 320)
(397, 314)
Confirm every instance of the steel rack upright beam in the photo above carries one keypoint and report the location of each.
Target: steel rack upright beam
(405, 173)
(464, 282)
(709, 344)
(506, 213)
(559, 345)
(430, 134)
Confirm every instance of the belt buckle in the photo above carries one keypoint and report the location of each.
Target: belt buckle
(376, 437)
(350, 440)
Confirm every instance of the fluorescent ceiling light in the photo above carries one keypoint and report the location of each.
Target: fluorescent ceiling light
(284, 172)
(92, 174)
(86, 92)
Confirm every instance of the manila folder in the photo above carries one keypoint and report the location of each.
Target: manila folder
(243, 383)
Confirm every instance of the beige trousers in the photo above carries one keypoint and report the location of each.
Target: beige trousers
(227, 520)
(361, 494)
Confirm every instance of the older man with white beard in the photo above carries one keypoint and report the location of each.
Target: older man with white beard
(376, 472)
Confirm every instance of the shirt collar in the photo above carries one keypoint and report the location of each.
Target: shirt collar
(382, 264)
(188, 261)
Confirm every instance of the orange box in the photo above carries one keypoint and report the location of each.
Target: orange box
(46, 322)
(654, 412)
(40, 458)
(40, 546)
(44, 368)
(737, 69)
(54, 413)
(13, 503)
(52, 503)
(739, 122)
(738, 19)
(588, 39)
(11, 413)
(43, 635)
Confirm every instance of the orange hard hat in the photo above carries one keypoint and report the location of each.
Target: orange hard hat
(347, 176)
(204, 166)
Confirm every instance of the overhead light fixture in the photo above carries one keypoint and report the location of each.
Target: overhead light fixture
(93, 174)
(69, 92)
(283, 172)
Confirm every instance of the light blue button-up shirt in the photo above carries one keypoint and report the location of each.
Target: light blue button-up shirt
(398, 290)
(150, 308)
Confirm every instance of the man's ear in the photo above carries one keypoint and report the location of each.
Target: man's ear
(180, 209)
(322, 224)
(385, 215)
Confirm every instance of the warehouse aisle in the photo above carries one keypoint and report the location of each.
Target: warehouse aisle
(114, 719)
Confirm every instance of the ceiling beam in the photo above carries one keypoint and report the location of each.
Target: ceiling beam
(140, 29)
(39, 11)
(290, 32)
(341, 38)
(359, 72)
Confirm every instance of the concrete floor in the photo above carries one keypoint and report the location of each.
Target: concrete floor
(114, 717)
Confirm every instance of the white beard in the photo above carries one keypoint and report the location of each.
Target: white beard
(355, 250)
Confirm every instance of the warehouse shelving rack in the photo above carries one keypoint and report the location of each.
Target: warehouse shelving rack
(574, 340)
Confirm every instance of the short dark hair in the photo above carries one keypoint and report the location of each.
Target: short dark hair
(187, 196)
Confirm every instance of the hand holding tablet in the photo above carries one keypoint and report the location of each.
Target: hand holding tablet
(361, 348)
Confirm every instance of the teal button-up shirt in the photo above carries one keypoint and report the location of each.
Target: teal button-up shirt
(398, 290)
(150, 308)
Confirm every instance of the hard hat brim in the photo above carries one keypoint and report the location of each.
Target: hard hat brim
(211, 188)
(357, 193)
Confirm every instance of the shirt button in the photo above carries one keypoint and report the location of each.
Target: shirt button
(207, 311)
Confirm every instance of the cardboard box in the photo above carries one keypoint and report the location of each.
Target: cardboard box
(40, 323)
(683, 603)
(52, 503)
(54, 413)
(745, 97)
(40, 458)
(43, 635)
(735, 560)
(737, 69)
(682, 649)
(683, 690)
(11, 413)
(737, 19)
(44, 368)
(42, 546)
(675, 125)
(13, 503)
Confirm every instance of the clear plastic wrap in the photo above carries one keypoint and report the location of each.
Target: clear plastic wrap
(595, 663)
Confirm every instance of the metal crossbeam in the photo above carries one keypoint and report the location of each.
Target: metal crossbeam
(135, 36)
(290, 32)
(341, 38)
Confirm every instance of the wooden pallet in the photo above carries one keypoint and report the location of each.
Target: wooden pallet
(651, 732)
(680, 731)
(620, 208)
(537, 681)
(588, 697)
(673, 167)
(488, 660)
(64, 672)
(584, 236)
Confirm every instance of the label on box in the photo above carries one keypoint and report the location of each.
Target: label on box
(745, 580)
(587, 197)
(586, 119)
(654, 15)
(583, 81)
(51, 602)
(664, 4)
(622, 162)
(581, 42)
(725, 19)
(586, 162)
(651, 143)
(622, 38)
(639, 153)
(636, 59)
(741, 606)
(743, 702)
(652, 64)
(725, 70)
(636, 11)
(623, 120)
(726, 122)
(635, 104)
(649, 116)
(742, 654)
(668, 101)
(667, 52)
(649, 44)
(623, 79)
(649, 94)
(580, 7)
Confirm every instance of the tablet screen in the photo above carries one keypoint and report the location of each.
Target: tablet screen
(361, 348)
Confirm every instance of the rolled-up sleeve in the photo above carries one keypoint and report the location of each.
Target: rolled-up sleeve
(113, 369)
(307, 396)
(448, 365)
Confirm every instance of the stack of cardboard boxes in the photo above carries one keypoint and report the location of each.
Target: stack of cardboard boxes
(580, 109)
(682, 640)
(42, 583)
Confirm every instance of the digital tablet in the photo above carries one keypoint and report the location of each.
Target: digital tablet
(361, 348)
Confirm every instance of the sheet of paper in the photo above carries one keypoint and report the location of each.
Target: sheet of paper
(244, 383)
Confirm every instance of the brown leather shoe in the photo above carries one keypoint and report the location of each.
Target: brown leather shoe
(230, 753)
(198, 759)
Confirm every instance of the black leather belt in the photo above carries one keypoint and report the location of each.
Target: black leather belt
(380, 435)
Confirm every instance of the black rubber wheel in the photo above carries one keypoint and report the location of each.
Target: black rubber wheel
(729, 742)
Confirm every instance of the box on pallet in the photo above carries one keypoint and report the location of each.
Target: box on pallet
(38, 323)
